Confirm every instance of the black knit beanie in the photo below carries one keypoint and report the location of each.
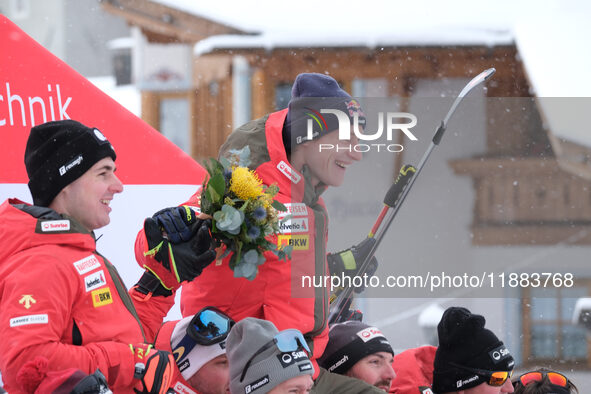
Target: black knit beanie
(310, 94)
(60, 152)
(465, 342)
(348, 343)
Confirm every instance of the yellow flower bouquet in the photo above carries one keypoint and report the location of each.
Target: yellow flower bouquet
(244, 212)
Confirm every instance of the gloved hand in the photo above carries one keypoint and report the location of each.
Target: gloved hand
(153, 369)
(348, 261)
(94, 383)
(176, 223)
(173, 263)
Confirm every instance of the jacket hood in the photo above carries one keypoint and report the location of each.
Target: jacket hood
(24, 226)
(269, 158)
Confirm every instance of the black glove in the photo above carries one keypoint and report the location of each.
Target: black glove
(348, 261)
(173, 263)
(176, 223)
(95, 383)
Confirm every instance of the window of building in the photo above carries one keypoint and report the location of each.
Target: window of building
(550, 337)
(174, 121)
(282, 95)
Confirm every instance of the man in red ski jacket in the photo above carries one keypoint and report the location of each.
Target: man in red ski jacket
(60, 299)
(283, 153)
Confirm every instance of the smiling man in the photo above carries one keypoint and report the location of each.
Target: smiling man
(285, 151)
(59, 298)
(360, 351)
(283, 154)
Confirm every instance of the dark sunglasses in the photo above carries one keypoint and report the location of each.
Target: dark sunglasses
(208, 327)
(493, 378)
(556, 378)
(288, 340)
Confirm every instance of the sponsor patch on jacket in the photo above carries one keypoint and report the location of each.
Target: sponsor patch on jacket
(182, 389)
(294, 225)
(94, 281)
(289, 358)
(55, 225)
(29, 319)
(87, 264)
(294, 210)
(101, 297)
(298, 242)
(257, 384)
(370, 333)
(289, 172)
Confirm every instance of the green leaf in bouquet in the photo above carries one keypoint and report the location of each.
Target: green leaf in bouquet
(218, 183)
(278, 206)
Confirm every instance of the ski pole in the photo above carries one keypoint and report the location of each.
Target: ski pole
(399, 194)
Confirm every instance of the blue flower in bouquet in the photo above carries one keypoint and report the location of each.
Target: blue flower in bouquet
(253, 232)
(259, 213)
(229, 219)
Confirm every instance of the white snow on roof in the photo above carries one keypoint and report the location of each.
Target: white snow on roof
(555, 52)
(410, 37)
(126, 95)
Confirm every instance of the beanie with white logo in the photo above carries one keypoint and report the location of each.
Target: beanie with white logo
(349, 342)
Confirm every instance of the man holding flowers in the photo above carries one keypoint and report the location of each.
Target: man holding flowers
(265, 198)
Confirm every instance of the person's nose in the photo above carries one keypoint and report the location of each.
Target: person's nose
(507, 387)
(116, 185)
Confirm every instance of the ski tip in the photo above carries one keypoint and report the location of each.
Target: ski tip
(489, 73)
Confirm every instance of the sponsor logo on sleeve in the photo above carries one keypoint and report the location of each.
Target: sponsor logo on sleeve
(101, 297)
(294, 225)
(87, 264)
(294, 210)
(55, 225)
(289, 172)
(28, 320)
(369, 333)
(94, 281)
(27, 300)
(298, 242)
(182, 389)
(257, 384)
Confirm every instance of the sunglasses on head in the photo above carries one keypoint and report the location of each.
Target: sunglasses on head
(288, 340)
(208, 327)
(493, 378)
(556, 378)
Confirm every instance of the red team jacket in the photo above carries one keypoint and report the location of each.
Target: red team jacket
(276, 294)
(60, 299)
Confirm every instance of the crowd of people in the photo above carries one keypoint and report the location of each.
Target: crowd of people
(69, 324)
